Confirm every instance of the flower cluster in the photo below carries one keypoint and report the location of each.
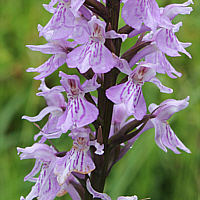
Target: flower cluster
(85, 35)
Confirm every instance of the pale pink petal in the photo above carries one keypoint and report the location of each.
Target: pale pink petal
(99, 147)
(51, 65)
(76, 4)
(137, 12)
(112, 35)
(43, 113)
(171, 141)
(91, 84)
(162, 88)
(172, 10)
(114, 93)
(76, 160)
(122, 65)
(128, 198)
(168, 43)
(96, 194)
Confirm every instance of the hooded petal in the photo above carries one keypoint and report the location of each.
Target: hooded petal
(71, 83)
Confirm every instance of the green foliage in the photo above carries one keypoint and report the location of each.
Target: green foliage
(146, 170)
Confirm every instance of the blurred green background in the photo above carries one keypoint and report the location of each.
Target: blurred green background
(146, 170)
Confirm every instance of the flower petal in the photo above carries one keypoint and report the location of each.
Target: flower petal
(43, 113)
(96, 194)
(112, 35)
(51, 65)
(137, 12)
(162, 88)
(76, 160)
(171, 141)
